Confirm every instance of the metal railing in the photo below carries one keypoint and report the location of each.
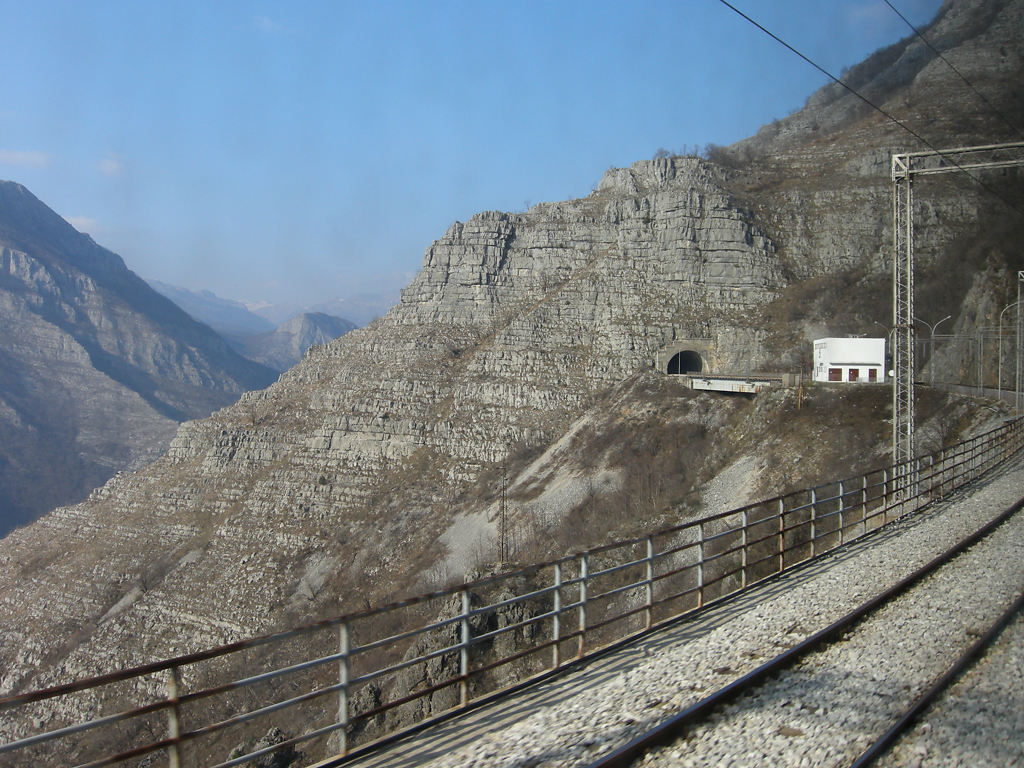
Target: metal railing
(353, 679)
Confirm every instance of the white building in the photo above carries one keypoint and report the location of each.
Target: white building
(849, 360)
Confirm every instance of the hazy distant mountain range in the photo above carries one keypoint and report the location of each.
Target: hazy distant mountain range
(226, 316)
(230, 317)
(360, 308)
(255, 336)
(284, 346)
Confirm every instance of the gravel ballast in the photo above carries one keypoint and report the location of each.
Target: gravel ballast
(879, 669)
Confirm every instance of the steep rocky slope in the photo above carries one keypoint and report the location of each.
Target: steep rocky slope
(818, 183)
(358, 475)
(96, 369)
(226, 316)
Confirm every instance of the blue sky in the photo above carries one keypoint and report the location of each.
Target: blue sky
(302, 151)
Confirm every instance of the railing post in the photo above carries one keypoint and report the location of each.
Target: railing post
(650, 580)
(344, 644)
(556, 624)
(173, 721)
(842, 507)
(864, 503)
(885, 497)
(814, 514)
(464, 650)
(700, 564)
(949, 470)
(583, 603)
(917, 485)
(782, 537)
(743, 550)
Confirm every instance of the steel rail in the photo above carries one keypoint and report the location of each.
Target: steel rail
(680, 723)
(968, 658)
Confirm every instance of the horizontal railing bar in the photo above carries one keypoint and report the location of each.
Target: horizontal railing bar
(766, 558)
(708, 538)
(674, 572)
(405, 664)
(512, 600)
(120, 757)
(615, 569)
(676, 596)
(616, 618)
(395, 703)
(525, 652)
(723, 553)
(392, 639)
(675, 550)
(282, 744)
(71, 730)
(518, 625)
(616, 591)
(261, 712)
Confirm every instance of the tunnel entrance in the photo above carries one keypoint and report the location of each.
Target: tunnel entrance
(686, 361)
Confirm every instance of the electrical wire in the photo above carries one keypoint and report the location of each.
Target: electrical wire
(959, 74)
(942, 153)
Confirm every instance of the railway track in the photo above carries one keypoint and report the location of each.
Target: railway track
(844, 695)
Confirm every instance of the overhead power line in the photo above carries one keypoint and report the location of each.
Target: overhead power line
(944, 153)
(959, 74)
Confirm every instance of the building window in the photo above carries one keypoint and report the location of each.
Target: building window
(854, 374)
(872, 374)
(835, 374)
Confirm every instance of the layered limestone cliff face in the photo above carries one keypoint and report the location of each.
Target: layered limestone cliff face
(348, 479)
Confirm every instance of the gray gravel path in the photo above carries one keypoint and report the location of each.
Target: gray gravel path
(573, 719)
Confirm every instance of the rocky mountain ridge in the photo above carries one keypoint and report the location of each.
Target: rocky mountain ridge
(97, 368)
(354, 475)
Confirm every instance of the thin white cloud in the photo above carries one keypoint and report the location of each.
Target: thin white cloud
(83, 224)
(869, 15)
(111, 165)
(25, 158)
(266, 24)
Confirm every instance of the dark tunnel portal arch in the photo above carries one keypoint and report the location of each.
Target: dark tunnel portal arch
(686, 361)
